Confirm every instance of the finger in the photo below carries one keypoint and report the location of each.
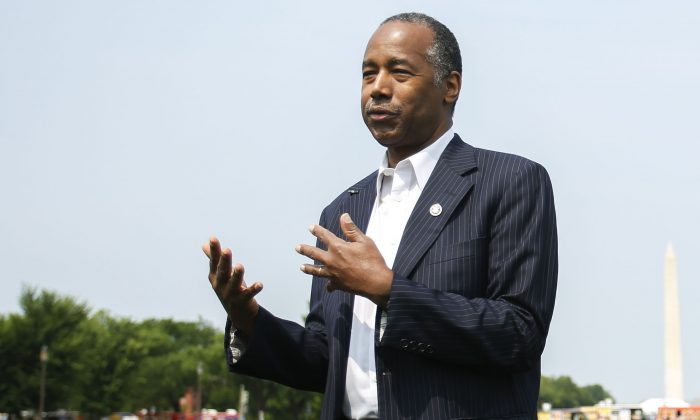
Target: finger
(223, 270)
(314, 270)
(351, 231)
(312, 252)
(237, 276)
(253, 290)
(214, 254)
(324, 235)
(206, 249)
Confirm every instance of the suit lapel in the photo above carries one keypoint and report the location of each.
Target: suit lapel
(447, 186)
(358, 203)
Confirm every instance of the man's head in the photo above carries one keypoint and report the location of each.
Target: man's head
(411, 80)
(444, 52)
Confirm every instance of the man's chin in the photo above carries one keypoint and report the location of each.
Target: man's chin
(385, 138)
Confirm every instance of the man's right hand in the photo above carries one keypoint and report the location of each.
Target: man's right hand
(227, 281)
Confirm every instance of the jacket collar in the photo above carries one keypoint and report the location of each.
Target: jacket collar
(451, 180)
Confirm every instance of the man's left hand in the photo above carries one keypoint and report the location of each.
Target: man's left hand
(355, 266)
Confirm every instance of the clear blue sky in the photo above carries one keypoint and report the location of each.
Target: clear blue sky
(130, 131)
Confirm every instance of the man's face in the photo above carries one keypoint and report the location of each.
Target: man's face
(401, 105)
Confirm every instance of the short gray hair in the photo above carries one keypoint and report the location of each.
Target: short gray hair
(444, 53)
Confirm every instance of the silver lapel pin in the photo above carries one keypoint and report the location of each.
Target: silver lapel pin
(435, 209)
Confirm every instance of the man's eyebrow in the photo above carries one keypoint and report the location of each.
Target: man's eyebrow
(398, 62)
(391, 63)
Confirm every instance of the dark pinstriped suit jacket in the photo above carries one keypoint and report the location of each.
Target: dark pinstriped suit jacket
(469, 308)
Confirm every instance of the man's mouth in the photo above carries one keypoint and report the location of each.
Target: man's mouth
(381, 114)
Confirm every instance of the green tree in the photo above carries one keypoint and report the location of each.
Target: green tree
(58, 322)
(100, 364)
(562, 392)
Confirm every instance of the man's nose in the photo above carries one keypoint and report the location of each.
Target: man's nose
(381, 87)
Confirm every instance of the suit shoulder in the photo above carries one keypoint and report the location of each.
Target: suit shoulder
(506, 164)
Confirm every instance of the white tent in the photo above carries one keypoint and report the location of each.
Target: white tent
(652, 405)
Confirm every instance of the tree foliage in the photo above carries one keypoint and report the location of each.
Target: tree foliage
(562, 392)
(100, 364)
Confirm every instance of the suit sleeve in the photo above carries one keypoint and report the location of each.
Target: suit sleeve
(505, 328)
(284, 351)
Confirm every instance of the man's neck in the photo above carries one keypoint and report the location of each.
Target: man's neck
(397, 154)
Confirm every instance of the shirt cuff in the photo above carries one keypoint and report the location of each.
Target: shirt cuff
(236, 345)
(382, 324)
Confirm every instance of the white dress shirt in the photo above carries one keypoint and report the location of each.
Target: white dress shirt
(398, 190)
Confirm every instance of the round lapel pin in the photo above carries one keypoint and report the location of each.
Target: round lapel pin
(435, 209)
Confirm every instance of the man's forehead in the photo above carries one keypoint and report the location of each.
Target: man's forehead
(401, 38)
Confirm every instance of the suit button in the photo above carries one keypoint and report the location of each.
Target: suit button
(404, 343)
(421, 347)
(412, 345)
(429, 349)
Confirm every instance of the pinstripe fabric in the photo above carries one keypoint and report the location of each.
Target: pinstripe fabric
(470, 304)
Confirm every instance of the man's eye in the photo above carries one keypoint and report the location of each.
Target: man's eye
(366, 74)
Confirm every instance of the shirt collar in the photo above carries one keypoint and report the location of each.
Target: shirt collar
(422, 162)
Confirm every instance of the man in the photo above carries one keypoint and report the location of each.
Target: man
(442, 308)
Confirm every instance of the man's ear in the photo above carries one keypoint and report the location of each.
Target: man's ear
(453, 84)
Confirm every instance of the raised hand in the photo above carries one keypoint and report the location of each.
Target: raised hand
(355, 266)
(227, 281)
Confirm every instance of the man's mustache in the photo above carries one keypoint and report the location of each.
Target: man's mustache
(371, 107)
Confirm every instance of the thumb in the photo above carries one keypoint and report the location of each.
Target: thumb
(350, 229)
